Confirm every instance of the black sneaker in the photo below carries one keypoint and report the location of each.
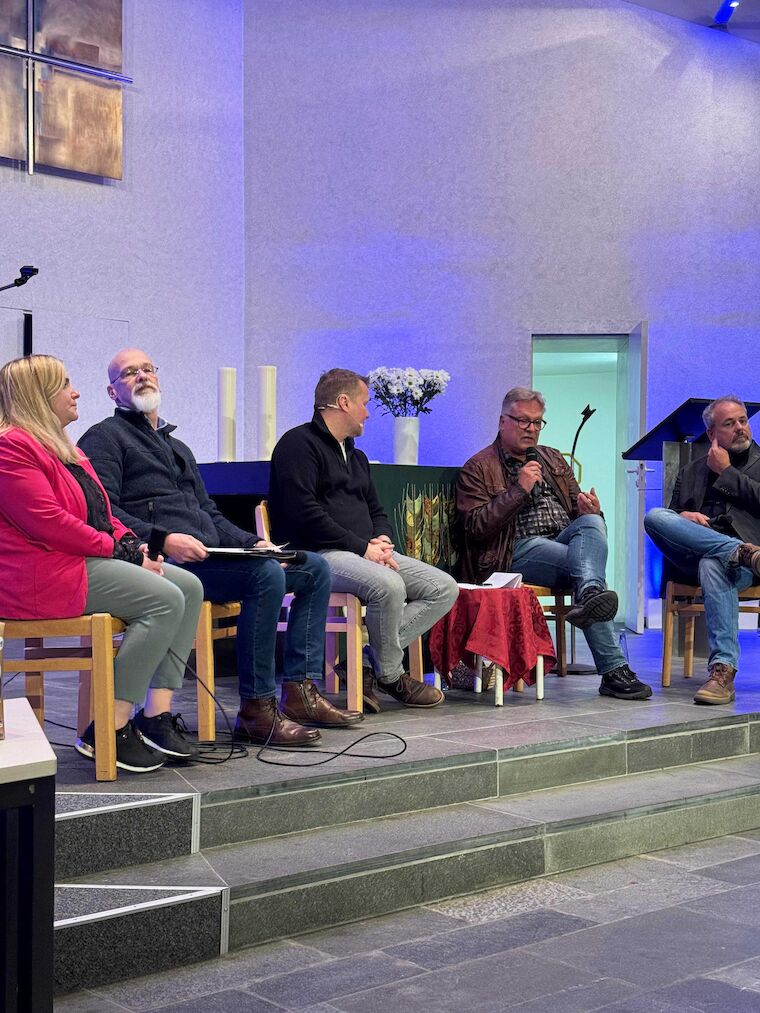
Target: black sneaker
(594, 606)
(166, 732)
(132, 753)
(623, 685)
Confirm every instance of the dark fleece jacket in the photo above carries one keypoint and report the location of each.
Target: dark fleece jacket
(153, 481)
(318, 500)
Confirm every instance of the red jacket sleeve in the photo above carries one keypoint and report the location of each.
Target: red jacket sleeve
(28, 501)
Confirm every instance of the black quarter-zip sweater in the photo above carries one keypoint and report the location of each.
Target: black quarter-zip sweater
(318, 500)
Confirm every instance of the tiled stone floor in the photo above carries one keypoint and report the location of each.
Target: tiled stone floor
(670, 931)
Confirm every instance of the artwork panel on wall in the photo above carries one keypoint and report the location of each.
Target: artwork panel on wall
(12, 108)
(85, 31)
(13, 23)
(11, 334)
(77, 123)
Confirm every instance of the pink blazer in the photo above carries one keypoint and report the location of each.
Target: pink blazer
(44, 534)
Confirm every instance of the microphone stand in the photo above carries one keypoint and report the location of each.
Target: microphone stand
(25, 274)
(573, 667)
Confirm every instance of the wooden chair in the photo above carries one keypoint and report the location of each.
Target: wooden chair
(345, 618)
(205, 634)
(681, 600)
(94, 660)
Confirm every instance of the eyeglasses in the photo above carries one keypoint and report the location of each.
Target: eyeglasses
(527, 423)
(131, 371)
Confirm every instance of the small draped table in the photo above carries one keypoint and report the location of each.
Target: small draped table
(505, 625)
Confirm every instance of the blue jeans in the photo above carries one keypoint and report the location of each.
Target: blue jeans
(260, 585)
(705, 555)
(400, 606)
(578, 557)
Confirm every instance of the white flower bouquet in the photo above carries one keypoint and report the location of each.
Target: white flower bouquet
(405, 392)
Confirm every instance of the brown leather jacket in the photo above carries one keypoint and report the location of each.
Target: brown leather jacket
(488, 506)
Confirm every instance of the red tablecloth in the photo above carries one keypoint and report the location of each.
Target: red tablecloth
(505, 625)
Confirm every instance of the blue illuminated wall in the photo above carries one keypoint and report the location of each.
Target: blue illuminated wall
(430, 183)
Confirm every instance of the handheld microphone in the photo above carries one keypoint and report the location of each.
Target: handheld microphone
(156, 543)
(531, 454)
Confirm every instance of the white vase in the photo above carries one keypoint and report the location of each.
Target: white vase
(406, 439)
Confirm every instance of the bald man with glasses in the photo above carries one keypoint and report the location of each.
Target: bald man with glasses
(523, 511)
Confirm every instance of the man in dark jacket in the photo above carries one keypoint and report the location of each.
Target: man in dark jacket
(321, 496)
(709, 533)
(521, 510)
(156, 489)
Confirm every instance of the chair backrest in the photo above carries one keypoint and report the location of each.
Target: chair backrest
(263, 527)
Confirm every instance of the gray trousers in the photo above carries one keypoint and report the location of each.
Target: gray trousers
(161, 614)
(401, 606)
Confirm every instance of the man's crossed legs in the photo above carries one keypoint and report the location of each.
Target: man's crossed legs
(577, 557)
(714, 561)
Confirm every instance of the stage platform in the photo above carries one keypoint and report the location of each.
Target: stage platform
(190, 861)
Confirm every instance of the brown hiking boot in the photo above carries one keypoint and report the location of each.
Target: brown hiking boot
(302, 702)
(719, 688)
(748, 555)
(411, 693)
(261, 722)
(371, 700)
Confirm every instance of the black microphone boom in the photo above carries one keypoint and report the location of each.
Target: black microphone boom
(586, 414)
(24, 274)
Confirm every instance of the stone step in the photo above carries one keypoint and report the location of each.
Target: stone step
(293, 883)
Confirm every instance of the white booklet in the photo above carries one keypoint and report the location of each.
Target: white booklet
(496, 580)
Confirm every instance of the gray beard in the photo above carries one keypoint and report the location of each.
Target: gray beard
(147, 402)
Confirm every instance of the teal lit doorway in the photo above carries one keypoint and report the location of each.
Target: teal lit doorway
(607, 372)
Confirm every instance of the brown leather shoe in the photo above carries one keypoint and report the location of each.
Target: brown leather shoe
(411, 693)
(261, 722)
(719, 688)
(748, 555)
(302, 702)
(371, 701)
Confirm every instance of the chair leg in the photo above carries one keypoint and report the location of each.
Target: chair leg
(34, 690)
(332, 683)
(102, 677)
(561, 635)
(688, 647)
(667, 636)
(478, 683)
(415, 660)
(519, 686)
(354, 684)
(204, 667)
(540, 677)
(498, 687)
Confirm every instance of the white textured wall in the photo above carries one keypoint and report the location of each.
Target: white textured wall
(427, 183)
(159, 257)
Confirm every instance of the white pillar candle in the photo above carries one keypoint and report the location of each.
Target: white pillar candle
(267, 412)
(225, 435)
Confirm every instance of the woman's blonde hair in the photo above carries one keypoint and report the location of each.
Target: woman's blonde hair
(27, 386)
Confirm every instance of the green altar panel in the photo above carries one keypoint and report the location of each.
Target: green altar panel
(419, 502)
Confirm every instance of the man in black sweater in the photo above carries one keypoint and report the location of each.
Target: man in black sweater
(156, 489)
(321, 496)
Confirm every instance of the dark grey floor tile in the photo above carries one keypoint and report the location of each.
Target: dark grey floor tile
(85, 1002)
(743, 975)
(654, 949)
(507, 737)
(695, 995)
(740, 905)
(473, 941)
(579, 999)
(194, 981)
(506, 901)
(742, 871)
(488, 985)
(703, 854)
(377, 933)
(643, 897)
(232, 1001)
(328, 981)
(617, 875)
